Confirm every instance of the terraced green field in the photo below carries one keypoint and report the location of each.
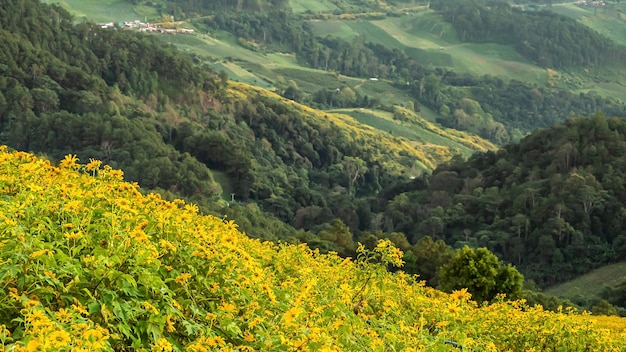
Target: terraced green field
(98, 10)
(431, 41)
(222, 46)
(425, 30)
(314, 6)
(375, 34)
(336, 28)
(240, 74)
(383, 90)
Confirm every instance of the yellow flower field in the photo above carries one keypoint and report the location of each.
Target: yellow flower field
(90, 263)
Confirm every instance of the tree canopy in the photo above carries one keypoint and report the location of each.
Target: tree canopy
(482, 273)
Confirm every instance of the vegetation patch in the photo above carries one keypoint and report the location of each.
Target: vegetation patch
(336, 28)
(425, 30)
(313, 6)
(609, 21)
(425, 133)
(591, 284)
(106, 268)
(100, 11)
(372, 33)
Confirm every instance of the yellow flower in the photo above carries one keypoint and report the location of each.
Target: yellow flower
(50, 274)
(69, 161)
(142, 225)
(248, 337)
(31, 303)
(39, 253)
(59, 338)
(13, 293)
(170, 324)
(73, 235)
(117, 174)
(162, 345)
(183, 278)
(167, 245)
(215, 341)
(177, 305)
(151, 308)
(461, 295)
(292, 314)
(64, 315)
(93, 164)
(96, 338)
(38, 319)
(256, 321)
(228, 307)
(191, 208)
(34, 345)
(139, 236)
(79, 308)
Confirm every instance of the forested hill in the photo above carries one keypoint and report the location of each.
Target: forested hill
(543, 37)
(147, 108)
(75, 88)
(553, 204)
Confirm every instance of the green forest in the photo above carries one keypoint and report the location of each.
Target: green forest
(552, 203)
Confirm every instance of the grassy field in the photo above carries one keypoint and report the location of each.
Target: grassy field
(100, 11)
(609, 21)
(385, 91)
(433, 42)
(425, 30)
(226, 182)
(240, 74)
(314, 6)
(146, 12)
(312, 80)
(424, 133)
(216, 45)
(590, 284)
(497, 60)
(336, 28)
(375, 34)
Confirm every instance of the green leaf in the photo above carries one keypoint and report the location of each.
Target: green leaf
(94, 307)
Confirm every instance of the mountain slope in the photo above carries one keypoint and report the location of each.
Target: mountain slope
(167, 120)
(103, 267)
(552, 204)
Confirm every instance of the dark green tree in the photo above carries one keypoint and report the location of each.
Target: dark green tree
(482, 273)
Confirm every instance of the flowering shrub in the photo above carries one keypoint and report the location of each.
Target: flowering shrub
(89, 263)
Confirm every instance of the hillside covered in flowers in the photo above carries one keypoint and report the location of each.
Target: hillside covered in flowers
(88, 262)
